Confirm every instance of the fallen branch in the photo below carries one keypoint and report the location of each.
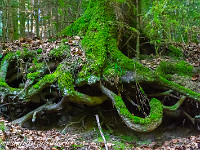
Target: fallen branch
(100, 130)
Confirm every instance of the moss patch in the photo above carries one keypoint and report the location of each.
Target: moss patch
(169, 68)
(60, 52)
(155, 112)
(174, 51)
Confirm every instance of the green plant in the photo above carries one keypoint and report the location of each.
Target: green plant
(2, 126)
(18, 53)
(119, 145)
(168, 21)
(39, 51)
(64, 40)
(60, 52)
(174, 51)
(2, 145)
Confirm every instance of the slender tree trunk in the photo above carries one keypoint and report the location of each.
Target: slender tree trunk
(4, 23)
(1, 25)
(10, 22)
(137, 27)
(15, 22)
(22, 18)
(32, 15)
(37, 17)
(32, 18)
(55, 12)
(28, 16)
(28, 25)
(50, 23)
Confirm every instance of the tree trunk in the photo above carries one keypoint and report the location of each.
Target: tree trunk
(36, 3)
(22, 18)
(15, 21)
(4, 31)
(138, 28)
(32, 16)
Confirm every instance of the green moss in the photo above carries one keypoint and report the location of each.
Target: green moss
(94, 26)
(64, 79)
(28, 53)
(60, 52)
(36, 66)
(34, 75)
(46, 80)
(9, 56)
(3, 84)
(34, 61)
(6, 88)
(65, 83)
(109, 72)
(64, 40)
(176, 87)
(39, 51)
(181, 68)
(25, 45)
(18, 53)
(155, 112)
(174, 51)
(99, 31)
(2, 126)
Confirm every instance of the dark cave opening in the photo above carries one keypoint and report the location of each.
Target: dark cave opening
(14, 76)
(91, 90)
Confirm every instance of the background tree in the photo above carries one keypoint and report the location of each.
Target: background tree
(22, 17)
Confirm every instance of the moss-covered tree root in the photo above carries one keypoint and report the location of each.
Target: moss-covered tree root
(137, 123)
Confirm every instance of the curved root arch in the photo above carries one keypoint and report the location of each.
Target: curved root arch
(138, 124)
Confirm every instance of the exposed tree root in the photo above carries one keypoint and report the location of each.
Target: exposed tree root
(136, 123)
(49, 106)
(167, 93)
(176, 106)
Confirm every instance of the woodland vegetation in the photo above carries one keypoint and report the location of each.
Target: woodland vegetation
(59, 53)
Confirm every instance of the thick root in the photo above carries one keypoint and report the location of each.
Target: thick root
(81, 98)
(176, 106)
(136, 123)
(47, 107)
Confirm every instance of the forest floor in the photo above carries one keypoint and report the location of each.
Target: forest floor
(15, 137)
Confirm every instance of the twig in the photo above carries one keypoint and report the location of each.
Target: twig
(127, 41)
(189, 117)
(28, 82)
(99, 126)
(47, 66)
(131, 101)
(34, 116)
(71, 123)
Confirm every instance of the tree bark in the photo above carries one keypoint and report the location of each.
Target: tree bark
(22, 18)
